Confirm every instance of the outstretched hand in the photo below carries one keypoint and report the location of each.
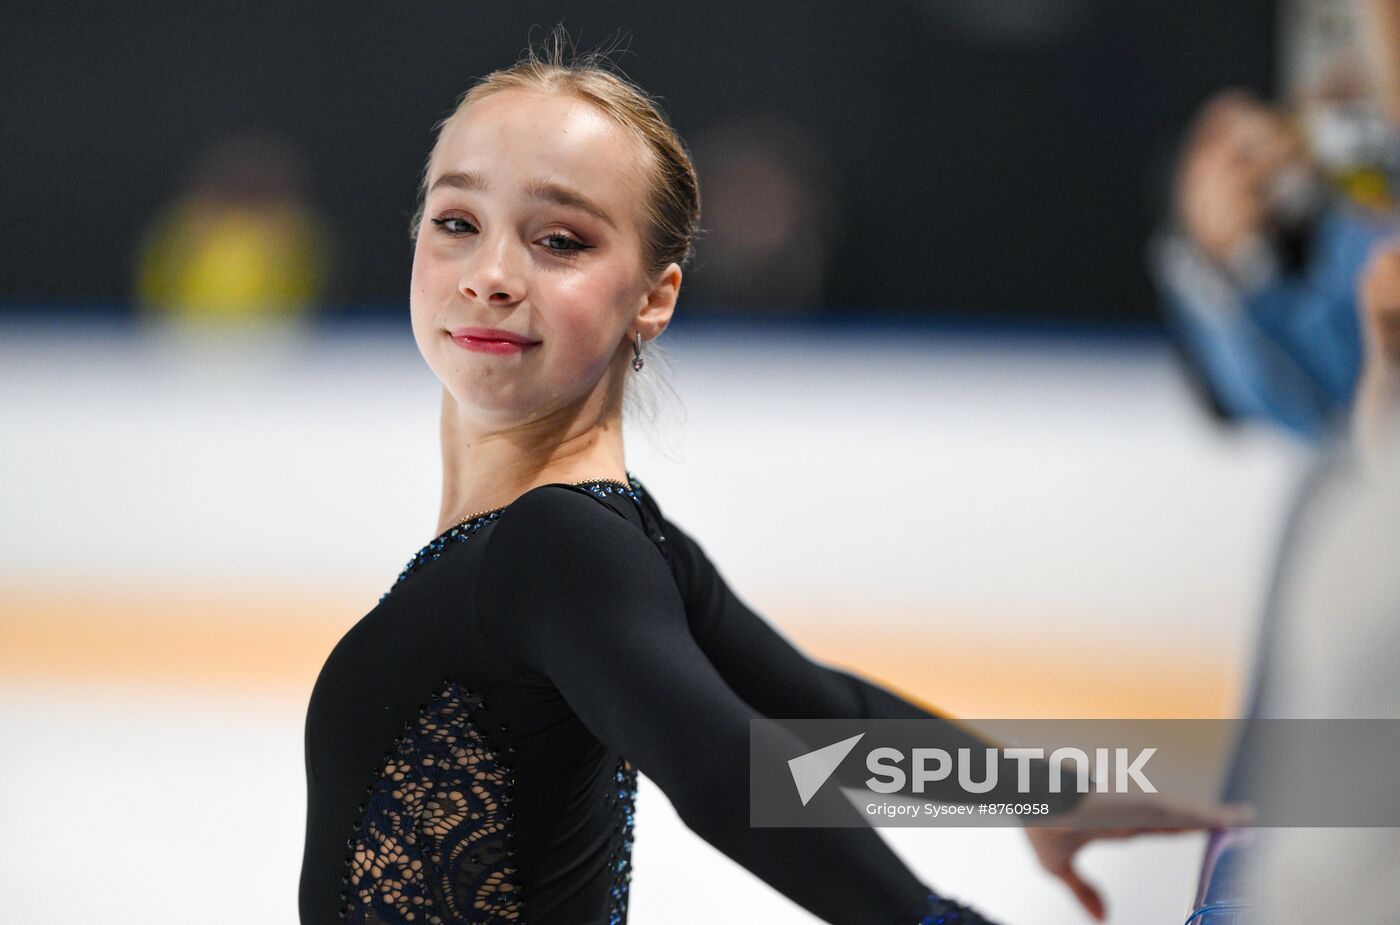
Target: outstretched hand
(1113, 816)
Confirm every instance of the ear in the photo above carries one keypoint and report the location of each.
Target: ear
(659, 303)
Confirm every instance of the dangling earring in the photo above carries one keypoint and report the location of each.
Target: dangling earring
(637, 360)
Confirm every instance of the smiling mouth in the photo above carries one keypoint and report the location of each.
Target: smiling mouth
(491, 344)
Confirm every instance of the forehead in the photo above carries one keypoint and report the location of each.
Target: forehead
(515, 137)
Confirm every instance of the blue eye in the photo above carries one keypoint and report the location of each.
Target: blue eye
(575, 246)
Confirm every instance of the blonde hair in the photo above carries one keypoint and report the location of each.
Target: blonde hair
(671, 208)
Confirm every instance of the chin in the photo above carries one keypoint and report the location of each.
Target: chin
(490, 398)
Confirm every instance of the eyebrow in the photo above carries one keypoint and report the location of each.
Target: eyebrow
(546, 190)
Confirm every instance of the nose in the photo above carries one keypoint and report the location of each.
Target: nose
(490, 273)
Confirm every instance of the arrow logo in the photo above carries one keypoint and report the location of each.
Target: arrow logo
(811, 770)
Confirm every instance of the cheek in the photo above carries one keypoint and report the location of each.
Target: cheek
(422, 271)
(425, 303)
(426, 280)
(585, 315)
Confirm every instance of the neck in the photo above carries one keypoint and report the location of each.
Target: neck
(485, 468)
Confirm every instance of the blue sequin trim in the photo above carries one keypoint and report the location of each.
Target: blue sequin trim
(469, 528)
(941, 911)
(406, 851)
(624, 796)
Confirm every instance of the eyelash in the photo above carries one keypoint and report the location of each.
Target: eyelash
(567, 253)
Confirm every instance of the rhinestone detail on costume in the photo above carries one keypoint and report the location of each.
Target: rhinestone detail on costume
(941, 911)
(468, 528)
(432, 845)
(623, 796)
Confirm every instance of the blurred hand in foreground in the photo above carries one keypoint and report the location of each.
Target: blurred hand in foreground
(1118, 816)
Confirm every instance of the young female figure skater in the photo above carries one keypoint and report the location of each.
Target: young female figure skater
(473, 743)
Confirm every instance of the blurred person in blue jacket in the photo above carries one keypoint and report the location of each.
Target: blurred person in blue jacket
(1276, 212)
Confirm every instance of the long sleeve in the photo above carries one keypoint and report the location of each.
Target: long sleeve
(578, 595)
(770, 673)
(1232, 336)
(1277, 346)
(780, 681)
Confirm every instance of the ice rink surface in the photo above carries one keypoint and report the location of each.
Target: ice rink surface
(999, 525)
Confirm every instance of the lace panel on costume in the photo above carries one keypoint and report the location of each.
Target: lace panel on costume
(433, 844)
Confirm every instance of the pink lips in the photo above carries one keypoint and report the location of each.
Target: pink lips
(491, 340)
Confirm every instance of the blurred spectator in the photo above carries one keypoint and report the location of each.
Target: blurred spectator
(240, 243)
(1279, 283)
(769, 209)
(1335, 656)
(1331, 635)
(1276, 211)
(1362, 464)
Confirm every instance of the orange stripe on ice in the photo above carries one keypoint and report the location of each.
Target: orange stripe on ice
(259, 640)
(250, 640)
(971, 676)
